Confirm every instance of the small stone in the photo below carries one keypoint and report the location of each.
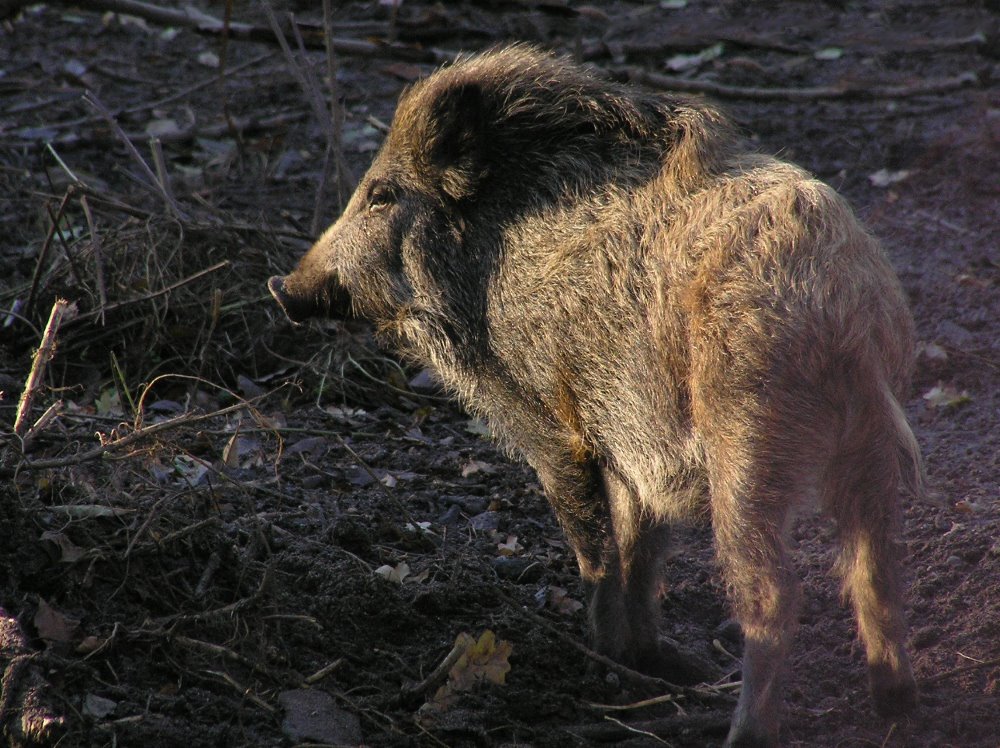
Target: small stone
(311, 715)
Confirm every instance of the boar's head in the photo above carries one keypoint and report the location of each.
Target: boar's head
(391, 253)
(471, 149)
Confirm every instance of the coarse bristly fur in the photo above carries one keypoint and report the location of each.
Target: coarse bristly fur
(662, 323)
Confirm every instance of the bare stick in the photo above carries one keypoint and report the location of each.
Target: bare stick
(345, 179)
(62, 310)
(65, 245)
(43, 254)
(43, 420)
(323, 672)
(162, 176)
(439, 673)
(62, 164)
(95, 245)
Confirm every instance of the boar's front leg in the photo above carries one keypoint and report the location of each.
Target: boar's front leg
(641, 542)
(619, 552)
(575, 491)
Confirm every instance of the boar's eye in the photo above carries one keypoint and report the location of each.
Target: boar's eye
(380, 196)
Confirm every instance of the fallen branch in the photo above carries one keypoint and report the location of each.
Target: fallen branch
(811, 93)
(959, 670)
(611, 731)
(154, 294)
(647, 681)
(192, 18)
(129, 439)
(437, 676)
(692, 42)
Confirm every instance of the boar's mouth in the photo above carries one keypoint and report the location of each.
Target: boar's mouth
(300, 307)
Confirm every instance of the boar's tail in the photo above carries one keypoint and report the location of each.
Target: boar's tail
(911, 466)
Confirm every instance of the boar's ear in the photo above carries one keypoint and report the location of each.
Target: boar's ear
(455, 139)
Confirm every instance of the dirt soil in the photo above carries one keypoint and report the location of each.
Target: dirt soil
(293, 571)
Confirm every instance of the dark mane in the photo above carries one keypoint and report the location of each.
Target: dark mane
(526, 113)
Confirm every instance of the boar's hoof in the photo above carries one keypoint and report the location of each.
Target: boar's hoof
(749, 739)
(895, 695)
(682, 666)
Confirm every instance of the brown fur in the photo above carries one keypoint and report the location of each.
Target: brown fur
(662, 323)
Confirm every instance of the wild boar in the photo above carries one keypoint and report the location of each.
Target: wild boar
(663, 323)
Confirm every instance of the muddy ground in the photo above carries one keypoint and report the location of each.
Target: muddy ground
(292, 570)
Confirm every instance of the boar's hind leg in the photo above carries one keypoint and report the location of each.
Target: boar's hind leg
(752, 499)
(861, 491)
(749, 536)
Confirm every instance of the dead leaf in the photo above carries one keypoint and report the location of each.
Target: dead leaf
(231, 452)
(98, 706)
(476, 466)
(884, 177)
(209, 59)
(311, 447)
(679, 63)
(405, 71)
(89, 511)
(248, 387)
(90, 644)
(485, 660)
(349, 416)
(946, 396)
(511, 547)
(53, 625)
(190, 469)
(396, 573)
(828, 53)
(70, 552)
(560, 601)
(161, 128)
(933, 351)
(108, 404)
(477, 427)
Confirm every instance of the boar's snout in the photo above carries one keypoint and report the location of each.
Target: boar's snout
(299, 304)
(292, 310)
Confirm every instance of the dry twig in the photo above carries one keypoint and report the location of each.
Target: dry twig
(610, 731)
(62, 311)
(154, 181)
